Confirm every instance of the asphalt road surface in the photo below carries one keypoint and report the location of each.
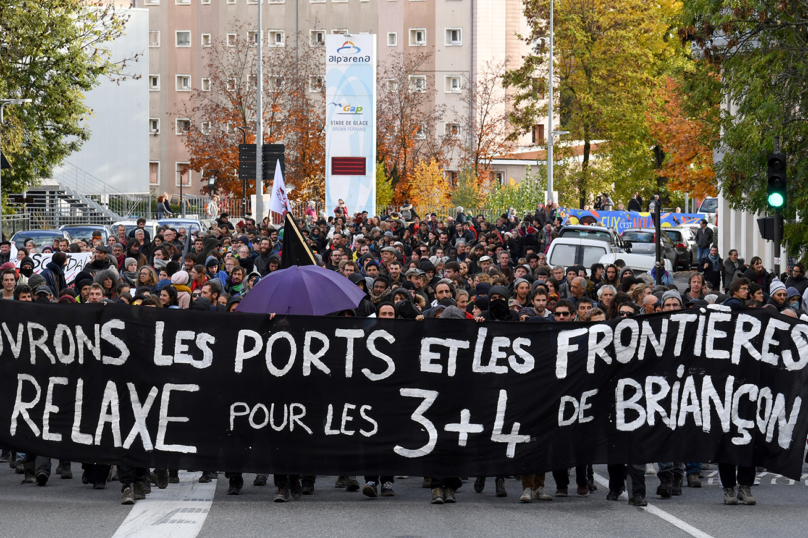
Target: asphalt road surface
(189, 509)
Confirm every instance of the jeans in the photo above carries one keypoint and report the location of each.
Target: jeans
(692, 467)
(702, 253)
(746, 475)
(667, 469)
(617, 478)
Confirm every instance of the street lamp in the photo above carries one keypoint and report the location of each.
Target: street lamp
(3, 104)
(244, 181)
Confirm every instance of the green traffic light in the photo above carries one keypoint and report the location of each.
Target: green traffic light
(776, 199)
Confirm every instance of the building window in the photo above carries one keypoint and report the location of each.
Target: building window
(231, 1)
(152, 2)
(317, 1)
(420, 134)
(206, 40)
(276, 1)
(252, 80)
(276, 38)
(392, 85)
(183, 126)
(183, 175)
(183, 83)
(341, 31)
(231, 40)
(252, 38)
(453, 84)
(316, 83)
(452, 177)
(204, 127)
(417, 37)
(231, 84)
(417, 83)
(392, 39)
(154, 126)
(206, 1)
(454, 37)
(498, 177)
(183, 2)
(275, 83)
(154, 83)
(154, 173)
(317, 38)
(537, 134)
(205, 85)
(183, 38)
(452, 130)
(154, 39)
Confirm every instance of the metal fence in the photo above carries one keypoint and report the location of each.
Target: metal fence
(12, 224)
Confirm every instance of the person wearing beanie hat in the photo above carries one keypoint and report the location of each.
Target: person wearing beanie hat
(671, 300)
(129, 271)
(26, 270)
(778, 295)
(794, 299)
(179, 281)
(83, 289)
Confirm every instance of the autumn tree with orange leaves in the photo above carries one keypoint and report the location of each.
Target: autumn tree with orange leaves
(407, 120)
(293, 112)
(688, 165)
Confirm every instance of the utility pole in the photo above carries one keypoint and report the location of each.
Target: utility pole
(244, 180)
(259, 130)
(778, 221)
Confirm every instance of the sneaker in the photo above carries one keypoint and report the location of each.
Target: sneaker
(341, 482)
(370, 490)
(283, 495)
(162, 478)
(152, 478)
(236, 483)
(665, 489)
(260, 480)
(205, 478)
(583, 491)
(744, 495)
(437, 496)
(173, 476)
(138, 490)
(500, 487)
(650, 469)
(99, 484)
(58, 469)
(352, 484)
(146, 486)
(296, 489)
(729, 496)
(613, 495)
(541, 495)
(676, 488)
(387, 490)
(637, 501)
(479, 484)
(693, 481)
(67, 473)
(562, 492)
(427, 483)
(12, 460)
(29, 479)
(128, 496)
(5, 455)
(591, 484)
(307, 487)
(41, 478)
(449, 496)
(527, 496)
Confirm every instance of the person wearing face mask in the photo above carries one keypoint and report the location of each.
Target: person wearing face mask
(794, 301)
(26, 270)
(498, 305)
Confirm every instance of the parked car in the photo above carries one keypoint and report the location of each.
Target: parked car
(709, 206)
(151, 227)
(85, 231)
(639, 263)
(685, 250)
(643, 241)
(576, 251)
(191, 225)
(42, 238)
(600, 233)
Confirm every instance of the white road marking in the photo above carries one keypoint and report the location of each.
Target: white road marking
(662, 514)
(178, 511)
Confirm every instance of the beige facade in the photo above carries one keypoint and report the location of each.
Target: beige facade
(462, 35)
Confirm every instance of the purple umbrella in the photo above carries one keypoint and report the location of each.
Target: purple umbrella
(303, 291)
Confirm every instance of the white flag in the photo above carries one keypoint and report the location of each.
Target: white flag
(279, 202)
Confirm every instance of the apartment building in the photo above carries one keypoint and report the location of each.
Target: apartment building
(462, 35)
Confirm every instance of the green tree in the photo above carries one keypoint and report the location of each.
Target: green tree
(52, 52)
(609, 57)
(754, 55)
(384, 188)
(523, 196)
(467, 192)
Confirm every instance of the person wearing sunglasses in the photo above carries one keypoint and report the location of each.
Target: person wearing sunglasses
(627, 310)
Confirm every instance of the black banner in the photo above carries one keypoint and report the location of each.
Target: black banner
(238, 392)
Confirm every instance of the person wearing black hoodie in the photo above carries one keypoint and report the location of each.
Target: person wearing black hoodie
(54, 273)
(498, 309)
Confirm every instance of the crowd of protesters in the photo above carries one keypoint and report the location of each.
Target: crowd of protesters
(410, 268)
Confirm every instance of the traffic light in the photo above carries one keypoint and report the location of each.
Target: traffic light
(777, 181)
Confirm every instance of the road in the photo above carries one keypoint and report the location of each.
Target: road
(189, 509)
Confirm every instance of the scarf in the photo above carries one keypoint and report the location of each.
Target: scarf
(376, 299)
(714, 259)
(181, 288)
(131, 276)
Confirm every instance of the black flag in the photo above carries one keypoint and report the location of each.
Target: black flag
(294, 250)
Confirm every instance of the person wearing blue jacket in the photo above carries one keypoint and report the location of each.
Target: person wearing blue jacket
(212, 268)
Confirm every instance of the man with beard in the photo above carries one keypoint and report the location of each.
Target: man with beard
(264, 254)
(380, 291)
